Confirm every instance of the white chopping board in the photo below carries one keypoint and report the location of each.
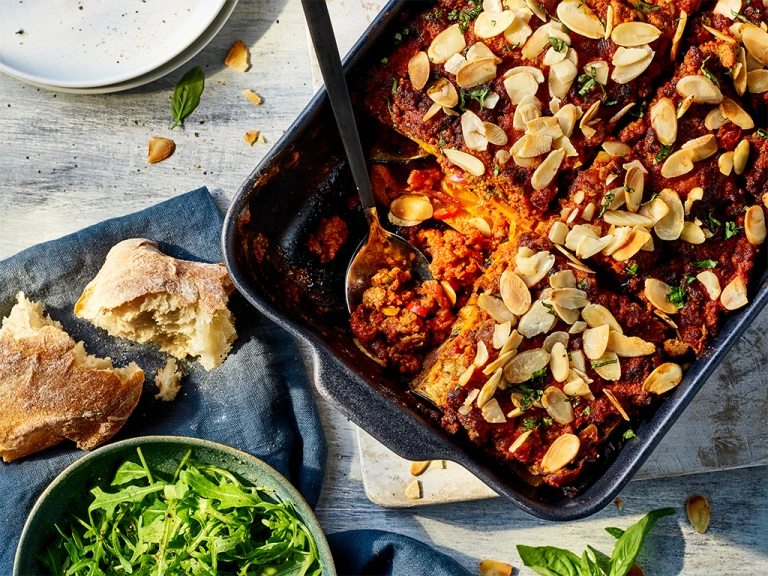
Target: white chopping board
(723, 428)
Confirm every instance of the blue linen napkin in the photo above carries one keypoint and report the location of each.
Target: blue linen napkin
(259, 400)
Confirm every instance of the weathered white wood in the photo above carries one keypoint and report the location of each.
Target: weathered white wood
(90, 153)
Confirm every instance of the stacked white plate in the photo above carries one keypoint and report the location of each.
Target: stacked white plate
(87, 46)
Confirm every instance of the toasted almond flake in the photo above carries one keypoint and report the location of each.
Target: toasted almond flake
(522, 366)
(489, 389)
(569, 298)
(628, 56)
(492, 413)
(466, 376)
(413, 490)
(475, 72)
(418, 468)
(629, 346)
(634, 33)
(638, 238)
(556, 404)
(519, 441)
(671, 225)
(656, 292)
(160, 149)
(590, 114)
(734, 296)
(757, 81)
(411, 207)
(677, 164)
(554, 338)
(515, 339)
(473, 131)
(740, 77)
(702, 147)
(616, 403)
(490, 101)
(561, 453)
(544, 126)
(481, 355)
(494, 567)
(700, 88)
(596, 341)
(444, 93)
(490, 24)
(664, 121)
(711, 282)
(620, 114)
(575, 262)
(449, 112)
(682, 21)
(663, 378)
(499, 363)
(625, 74)
(480, 51)
(434, 109)
(562, 279)
(579, 18)
(547, 170)
(518, 86)
(736, 114)
(754, 225)
(449, 42)
(577, 387)
(237, 57)
(615, 148)
(536, 8)
(496, 309)
(695, 194)
(698, 512)
(715, 119)
(532, 70)
(501, 334)
(418, 70)
(494, 134)
(608, 22)
(578, 327)
(552, 56)
(518, 32)
(741, 156)
(561, 77)
(692, 233)
(727, 8)
(558, 362)
(756, 41)
(454, 63)
(514, 293)
(634, 184)
(465, 161)
(502, 156)
(250, 137)
(608, 366)
(567, 116)
(464, 410)
(577, 360)
(597, 315)
(623, 218)
(528, 109)
(656, 209)
(538, 320)
(558, 233)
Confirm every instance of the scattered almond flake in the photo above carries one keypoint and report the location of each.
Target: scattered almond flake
(418, 468)
(252, 96)
(619, 504)
(238, 57)
(698, 511)
(261, 139)
(250, 137)
(495, 568)
(413, 490)
(160, 149)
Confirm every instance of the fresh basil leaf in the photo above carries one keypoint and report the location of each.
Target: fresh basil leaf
(628, 545)
(588, 566)
(186, 96)
(615, 532)
(602, 560)
(550, 561)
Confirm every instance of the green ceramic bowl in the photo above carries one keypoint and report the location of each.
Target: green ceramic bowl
(162, 453)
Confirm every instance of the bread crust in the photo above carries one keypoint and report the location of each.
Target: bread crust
(47, 396)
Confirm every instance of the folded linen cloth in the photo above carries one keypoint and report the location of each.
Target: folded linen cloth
(259, 400)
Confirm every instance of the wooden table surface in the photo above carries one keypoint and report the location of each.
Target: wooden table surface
(68, 161)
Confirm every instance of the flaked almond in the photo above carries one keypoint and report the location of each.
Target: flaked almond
(494, 134)
(655, 209)
(734, 296)
(701, 89)
(502, 156)
(757, 81)
(538, 41)
(677, 164)
(561, 77)
(567, 116)
(657, 292)
(577, 387)
(480, 224)
(473, 131)
(616, 404)
(577, 361)
(418, 468)
(535, 267)
(579, 18)
(518, 86)
(443, 93)
(567, 315)
(695, 194)
(250, 137)
(538, 320)
(501, 334)
(528, 109)
(418, 70)
(608, 22)
(634, 184)
(629, 346)
(558, 362)
(681, 22)
(692, 233)
(492, 413)
(557, 405)
(449, 42)
(518, 32)
(561, 453)
(736, 114)
(515, 339)
(727, 8)
(454, 63)
(489, 389)
(569, 298)
(697, 508)
(412, 207)
(522, 366)
(499, 363)
(596, 341)
(682, 108)
(514, 293)
(711, 282)
(465, 161)
(490, 24)
(519, 441)
(547, 170)
(608, 366)
(741, 156)
(558, 232)
(476, 72)
(562, 279)
(481, 354)
(638, 238)
(628, 56)
(624, 218)
(634, 33)
(664, 121)
(554, 338)
(756, 41)
(544, 126)
(615, 148)
(466, 376)
(237, 57)
(621, 113)
(754, 225)
(715, 120)
(160, 149)
(663, 378)
(413, 490)
(252, 96)
(596, 315)
(480, 51)
(702, 147)
(740, 77)
(496, 309)
(494, 567)
(434, 109)
(671, 225)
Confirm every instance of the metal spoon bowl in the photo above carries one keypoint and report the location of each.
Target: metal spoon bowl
(380, 249)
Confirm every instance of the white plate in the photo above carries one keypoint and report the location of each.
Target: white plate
(204, 39)
(106, 42)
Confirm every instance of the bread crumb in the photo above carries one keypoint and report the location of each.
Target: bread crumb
(168, 380)
(413, 490)
(238, 57)
(250, 137)
(252, 96)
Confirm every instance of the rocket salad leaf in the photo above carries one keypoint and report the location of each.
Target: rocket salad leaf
(201, 521)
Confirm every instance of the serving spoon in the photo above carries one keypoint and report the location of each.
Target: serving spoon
(380, 249)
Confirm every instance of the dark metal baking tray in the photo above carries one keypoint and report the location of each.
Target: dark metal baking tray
(303, 178)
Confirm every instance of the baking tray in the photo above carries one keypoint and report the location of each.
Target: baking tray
(305, 177)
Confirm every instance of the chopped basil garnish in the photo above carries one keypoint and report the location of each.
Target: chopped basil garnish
(607, 201)
(631, 270)
(628, 433)
(663, 153)
(558, 44)
(606, 363)
(678, 296)
(731, 229)
(705, 264)
(707, 73)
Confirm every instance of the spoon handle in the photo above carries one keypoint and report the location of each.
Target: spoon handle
(324, 41)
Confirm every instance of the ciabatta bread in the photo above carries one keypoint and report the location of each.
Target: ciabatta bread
(51, 389)
(143, 295)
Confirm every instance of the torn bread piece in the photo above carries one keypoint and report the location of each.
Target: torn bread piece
(143, 295)
(51, 389)
(168, 380)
